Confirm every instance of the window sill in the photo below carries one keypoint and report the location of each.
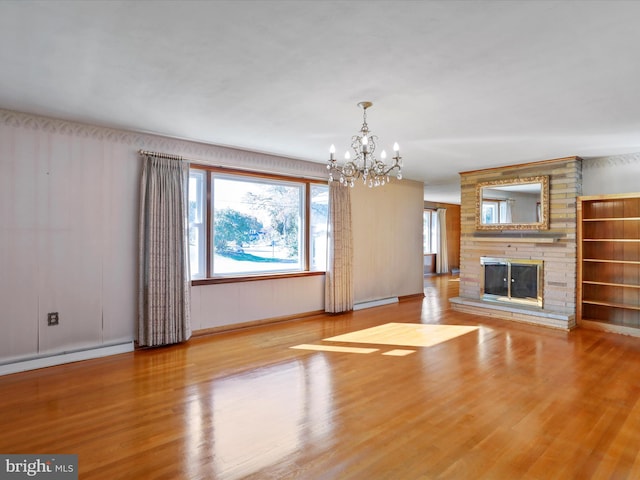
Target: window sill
(252, 278)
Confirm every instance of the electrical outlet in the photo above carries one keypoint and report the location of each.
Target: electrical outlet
(52, 318)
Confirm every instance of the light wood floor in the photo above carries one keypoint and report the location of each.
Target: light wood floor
(496, 400)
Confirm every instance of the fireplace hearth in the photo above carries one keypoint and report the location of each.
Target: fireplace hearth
(512, 281)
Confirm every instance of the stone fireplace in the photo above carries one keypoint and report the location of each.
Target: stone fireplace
(547, 258)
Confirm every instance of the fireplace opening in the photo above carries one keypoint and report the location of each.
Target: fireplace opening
(512, 280)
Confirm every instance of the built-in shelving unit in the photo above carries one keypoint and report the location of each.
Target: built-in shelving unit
(609, 262)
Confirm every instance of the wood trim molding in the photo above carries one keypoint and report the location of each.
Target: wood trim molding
(255, 323)
(609, 196)
(510, 168)
(253, 278)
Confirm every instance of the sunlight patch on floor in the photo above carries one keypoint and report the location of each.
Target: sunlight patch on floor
(398, 352)
(405, 334)
(332, 348)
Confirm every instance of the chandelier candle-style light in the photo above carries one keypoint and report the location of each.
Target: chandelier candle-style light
(365, 165)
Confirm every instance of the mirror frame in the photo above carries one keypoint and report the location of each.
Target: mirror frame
(543, 224)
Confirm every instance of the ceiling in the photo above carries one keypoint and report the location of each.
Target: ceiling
(461, 85)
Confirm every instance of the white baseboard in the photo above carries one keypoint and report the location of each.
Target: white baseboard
(66, 357)
(375, 303)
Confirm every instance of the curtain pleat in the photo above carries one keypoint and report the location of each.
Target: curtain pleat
(508, 212)
(442, 258)
(339, 276)
(164, 278)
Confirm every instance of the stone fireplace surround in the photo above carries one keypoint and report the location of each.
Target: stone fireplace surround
(556, 247)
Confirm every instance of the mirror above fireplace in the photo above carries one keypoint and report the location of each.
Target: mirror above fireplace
(513, 204)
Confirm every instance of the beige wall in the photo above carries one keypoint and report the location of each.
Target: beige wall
(214, 306)
(387, 224)
(68, 238)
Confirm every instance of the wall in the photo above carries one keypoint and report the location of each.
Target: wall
(68, 238)
(221, 305)
(565, 183)
(612, 174)
(67, 235)
(387, 240)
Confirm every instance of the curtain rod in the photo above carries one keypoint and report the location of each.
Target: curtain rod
(161, 155)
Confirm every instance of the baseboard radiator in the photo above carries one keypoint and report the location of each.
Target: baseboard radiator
(22, 365)
(375, 303)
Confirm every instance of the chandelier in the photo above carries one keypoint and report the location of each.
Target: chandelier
(365, 165)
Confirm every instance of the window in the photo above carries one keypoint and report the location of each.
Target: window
(247, 225)
(197, 218)
(496, 211)
(430, 231)
(318, 226)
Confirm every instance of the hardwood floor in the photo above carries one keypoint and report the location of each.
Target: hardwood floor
(495, 400)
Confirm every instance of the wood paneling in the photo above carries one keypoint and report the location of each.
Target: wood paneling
(500, 401)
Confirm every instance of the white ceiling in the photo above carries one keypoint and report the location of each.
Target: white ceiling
(461, 85)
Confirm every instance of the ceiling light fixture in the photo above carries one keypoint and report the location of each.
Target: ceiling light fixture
(365, 165)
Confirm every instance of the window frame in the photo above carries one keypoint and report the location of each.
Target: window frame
(209, 279)
(201, 225)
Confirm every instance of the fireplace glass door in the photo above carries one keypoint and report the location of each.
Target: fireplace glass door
(495, 279)
(507, 280)
(524, 281)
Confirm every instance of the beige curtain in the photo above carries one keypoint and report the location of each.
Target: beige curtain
(442, 257)
(508, 211)
(339, 278)
(164, 279)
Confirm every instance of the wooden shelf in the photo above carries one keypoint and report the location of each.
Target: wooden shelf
(627, 240)
(602, 260)
(595, 324)
(612, 304)
(609, 261)
(610, 219)
(611, 284)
